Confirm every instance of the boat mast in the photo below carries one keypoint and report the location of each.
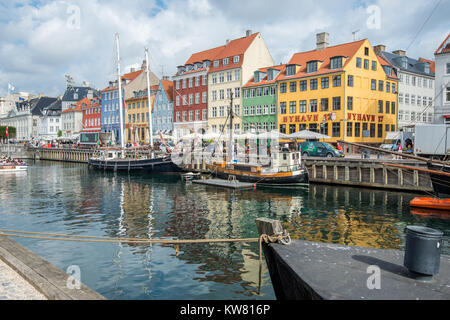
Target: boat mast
(230, 149)
(121, 136)
(150, 129)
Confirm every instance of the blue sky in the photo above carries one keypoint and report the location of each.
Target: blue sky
(39, 45)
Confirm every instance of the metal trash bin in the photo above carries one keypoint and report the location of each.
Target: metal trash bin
(423, 250)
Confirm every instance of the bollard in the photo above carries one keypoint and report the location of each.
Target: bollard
(423, 250)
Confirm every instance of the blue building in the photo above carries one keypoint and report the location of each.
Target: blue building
(162, 112)
(110, 118)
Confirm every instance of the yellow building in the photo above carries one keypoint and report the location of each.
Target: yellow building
(136, 118)
(346, 92)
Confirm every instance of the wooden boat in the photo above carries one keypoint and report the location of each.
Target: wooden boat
(287, 170)
(190, 176)
(431, 203)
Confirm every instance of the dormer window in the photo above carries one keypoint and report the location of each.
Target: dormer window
(336, 63)
(311, 66)
(290, 70)
(388, 70)
(216, 63)
(257, 77)
(270, 75)
(236, 59)
(225, 61)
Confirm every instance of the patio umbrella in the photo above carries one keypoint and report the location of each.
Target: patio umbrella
(272, 134)
(306, 134)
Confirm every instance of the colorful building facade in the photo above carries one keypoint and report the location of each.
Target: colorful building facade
(342, 91)
(259, 101)
(137, 117)
(91, 109)
(232, 67)
(162, 112)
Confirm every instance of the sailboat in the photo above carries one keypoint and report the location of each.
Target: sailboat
(121, 159)
(284, 169)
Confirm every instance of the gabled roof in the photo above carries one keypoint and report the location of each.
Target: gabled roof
(384, 62)
(132, 75)
(168, 88)
(444, 47)
(301, 58)
(264, 81)
(204, 55)
(81, 91)
(412, 65)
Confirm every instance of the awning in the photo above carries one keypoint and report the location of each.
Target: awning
(393, 135)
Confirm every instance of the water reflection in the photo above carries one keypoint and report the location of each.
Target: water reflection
(70, 198)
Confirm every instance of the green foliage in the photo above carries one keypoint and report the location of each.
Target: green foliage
(11, 132)
(59, 133)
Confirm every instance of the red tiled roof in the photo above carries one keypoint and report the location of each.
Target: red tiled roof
(345, 50)
(204, 55)
(168, 87)
(264, 81)
(441, 48)
(431, 62)
(132, 75)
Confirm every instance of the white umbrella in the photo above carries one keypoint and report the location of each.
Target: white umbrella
(273, 134)
(247, 135)
(306, 134)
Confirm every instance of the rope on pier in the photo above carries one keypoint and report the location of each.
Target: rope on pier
(283, 238)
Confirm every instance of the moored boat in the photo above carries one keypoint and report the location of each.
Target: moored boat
(431, 203)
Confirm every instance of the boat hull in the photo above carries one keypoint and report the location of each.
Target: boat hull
(156, 165)
(431, 203)
(297, 178)
(440, 182)
(9, 168)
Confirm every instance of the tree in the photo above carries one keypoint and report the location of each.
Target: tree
(59, 133)
(11, 132)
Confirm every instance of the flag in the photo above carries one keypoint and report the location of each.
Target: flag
(10, 87)
(21, 99)
(6, 131)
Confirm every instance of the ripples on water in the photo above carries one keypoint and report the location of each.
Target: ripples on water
(70, 198)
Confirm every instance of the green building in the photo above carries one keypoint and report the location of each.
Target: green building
(260, 101)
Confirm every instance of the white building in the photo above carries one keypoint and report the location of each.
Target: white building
(25, 117)
(415, 87)
(50, 121)
(72, 121)
(442, 91)
(8, 102)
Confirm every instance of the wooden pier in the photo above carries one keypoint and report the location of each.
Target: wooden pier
(41, 274)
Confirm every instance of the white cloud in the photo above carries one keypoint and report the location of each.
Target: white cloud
(38, 47)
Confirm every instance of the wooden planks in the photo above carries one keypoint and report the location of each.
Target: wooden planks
(44, 276)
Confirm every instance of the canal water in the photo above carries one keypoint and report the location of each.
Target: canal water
(69, 198)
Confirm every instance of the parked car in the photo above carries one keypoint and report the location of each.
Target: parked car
(319, 149)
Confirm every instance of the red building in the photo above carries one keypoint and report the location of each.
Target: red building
(91, 114)
(190, 93)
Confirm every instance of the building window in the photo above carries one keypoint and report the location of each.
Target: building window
(237, 75)
(357, 129)
(336, 63)
(214, 78)
(372, 130)
(229, 76)
(366, 51)
(387, 107)
(313, 84)
(388, 87)
(350, 81)
(236, 59)
(349, 129)
(258, 110)
(311, 66)
(313, 105)
(374, 65)
(380, 130)
(216, 63)
(336, 103)
(380, 85)
(293, 86)
(237, 92)
(392, 107)
(291, 128)
(303, 85)
(225, 61)
(336, 81)
(324, 104)
(380, 106)
(373, 84)
(302, 106)
(282, 107)
(221, 77)
(292, 107)
(282, 128)
(336, 129)
(366, 64)
(447, 95)
(283, 87)
(204, 80)
(350, 103)
(273, 109)
(325, 82)
(358, 62)
(324, 128)
(204, 97)
(290, 70)
(313, 127)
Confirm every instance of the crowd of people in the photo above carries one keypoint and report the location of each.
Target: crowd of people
(5, 160)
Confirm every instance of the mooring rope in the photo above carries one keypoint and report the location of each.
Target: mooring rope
(264, 238)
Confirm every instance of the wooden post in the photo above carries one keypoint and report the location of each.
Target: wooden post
(268, 226)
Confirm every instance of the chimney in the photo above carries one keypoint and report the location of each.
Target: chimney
(228, 41)
(322, 40)
(165, 77)
(132, 69)
(399, 52)
(248, 33)
(379, 48)
(144, 65)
